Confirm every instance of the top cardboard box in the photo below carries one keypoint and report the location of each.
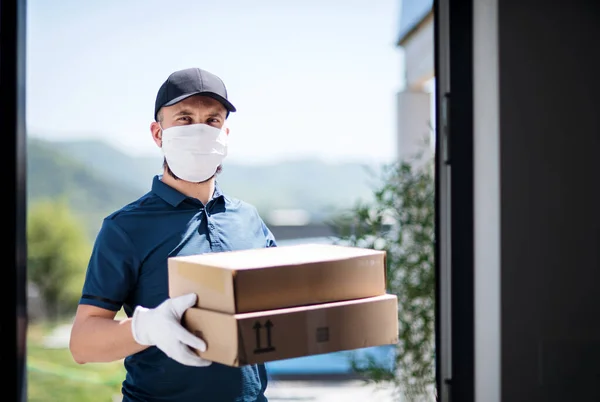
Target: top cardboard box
(245, 281)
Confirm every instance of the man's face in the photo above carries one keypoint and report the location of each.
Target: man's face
(196, 109)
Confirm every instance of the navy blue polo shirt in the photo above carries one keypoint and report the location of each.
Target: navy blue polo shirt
(128, 267)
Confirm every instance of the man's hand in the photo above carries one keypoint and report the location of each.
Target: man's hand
(161, 327)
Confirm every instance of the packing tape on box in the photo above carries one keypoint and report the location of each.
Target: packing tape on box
(317, 331)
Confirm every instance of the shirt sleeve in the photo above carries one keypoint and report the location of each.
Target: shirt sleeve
(271, 242)
(112, 270)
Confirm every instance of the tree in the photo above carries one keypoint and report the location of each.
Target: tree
(58, 249)
(400, 220)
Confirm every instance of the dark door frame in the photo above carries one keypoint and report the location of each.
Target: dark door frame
(12, 112)
(454, 248)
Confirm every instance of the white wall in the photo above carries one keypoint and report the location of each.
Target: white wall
(416, 102)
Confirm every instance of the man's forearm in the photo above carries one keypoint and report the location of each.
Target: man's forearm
(101, 339)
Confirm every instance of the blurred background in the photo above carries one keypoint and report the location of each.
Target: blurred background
(329, 95)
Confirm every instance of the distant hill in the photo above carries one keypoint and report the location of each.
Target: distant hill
(52, 174)
(111, 163)
(312, 185)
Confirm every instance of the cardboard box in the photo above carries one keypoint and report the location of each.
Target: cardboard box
(259, 337)
(270, 278)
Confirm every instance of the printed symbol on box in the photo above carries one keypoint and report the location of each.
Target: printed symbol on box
(258, 329)
(323, 334)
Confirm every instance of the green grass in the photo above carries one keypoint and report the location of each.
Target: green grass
(53, 376)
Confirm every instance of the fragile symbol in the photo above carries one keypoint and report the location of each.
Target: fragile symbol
(258, 332)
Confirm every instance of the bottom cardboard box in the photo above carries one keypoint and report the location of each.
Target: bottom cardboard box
(259, 337)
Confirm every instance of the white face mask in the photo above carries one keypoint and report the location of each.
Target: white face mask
(194, 151)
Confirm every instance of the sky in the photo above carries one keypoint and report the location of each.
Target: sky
(309, 78)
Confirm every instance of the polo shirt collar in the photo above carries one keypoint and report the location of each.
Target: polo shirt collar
(174, 197)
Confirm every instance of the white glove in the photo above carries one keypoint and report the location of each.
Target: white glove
(161, 327)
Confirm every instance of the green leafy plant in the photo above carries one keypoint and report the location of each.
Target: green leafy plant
(57, 253)
(400, 220)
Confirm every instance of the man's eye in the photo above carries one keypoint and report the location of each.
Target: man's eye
(184, 118)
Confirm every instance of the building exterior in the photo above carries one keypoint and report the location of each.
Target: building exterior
(415, 122)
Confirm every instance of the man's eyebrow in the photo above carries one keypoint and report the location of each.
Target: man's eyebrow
(216, 114)
(183, 112)
(188, 112)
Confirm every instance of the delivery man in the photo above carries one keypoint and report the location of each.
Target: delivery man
(184, 213)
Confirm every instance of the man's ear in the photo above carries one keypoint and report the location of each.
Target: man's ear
(226, 128)
(156, 132)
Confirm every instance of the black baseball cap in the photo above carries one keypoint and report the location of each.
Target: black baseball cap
(192, 81)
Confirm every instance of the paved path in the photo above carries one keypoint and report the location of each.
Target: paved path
(312, 391)
(339, 391)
